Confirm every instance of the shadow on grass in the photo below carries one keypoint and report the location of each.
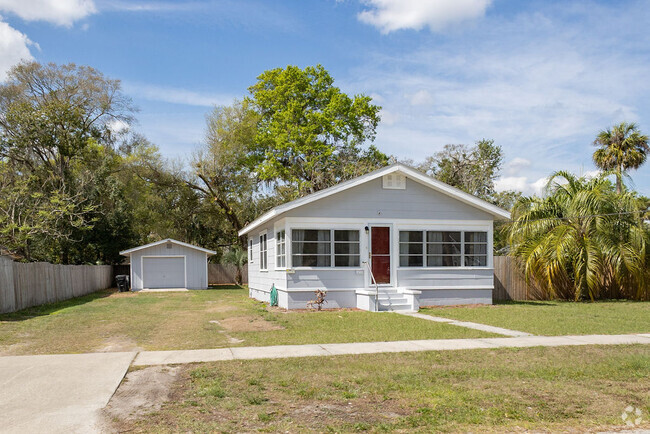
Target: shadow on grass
(50, 308)
(524, 303)
(225, 286)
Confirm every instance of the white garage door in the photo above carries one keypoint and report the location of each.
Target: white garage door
(163, 272)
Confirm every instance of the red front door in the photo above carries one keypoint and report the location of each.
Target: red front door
(380, 253)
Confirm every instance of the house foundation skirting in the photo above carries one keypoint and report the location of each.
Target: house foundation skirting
(365, 298)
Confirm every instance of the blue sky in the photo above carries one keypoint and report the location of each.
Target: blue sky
(541, 78)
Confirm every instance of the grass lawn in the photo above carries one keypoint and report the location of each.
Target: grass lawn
(555, 318)
(549, 389)
(113, 321)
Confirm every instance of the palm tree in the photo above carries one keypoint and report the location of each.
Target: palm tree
(238, 257)
(620, 148)
(582, 240)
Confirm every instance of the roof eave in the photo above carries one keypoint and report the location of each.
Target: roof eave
(157, 243)
(418, 176)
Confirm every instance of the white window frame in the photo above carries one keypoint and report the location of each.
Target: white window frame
(332, 243)
(486, 254)
(250, 249)
(264, 251)
(424, 265)
(281, 249)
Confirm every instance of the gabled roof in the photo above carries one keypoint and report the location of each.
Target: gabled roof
(409, 172)
(167, 240)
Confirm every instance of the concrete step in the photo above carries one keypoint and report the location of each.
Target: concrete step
(388, 291)
(392, 300)
(394, 307)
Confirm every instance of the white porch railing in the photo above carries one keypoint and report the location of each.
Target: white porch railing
(372, 276)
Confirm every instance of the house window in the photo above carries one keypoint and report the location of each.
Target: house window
(325, 248)
(442, 249)
(475, 249)
(346, 249)
(250, 250)
(311, 248)
(263, 253)
(280, 249)
(410, 248)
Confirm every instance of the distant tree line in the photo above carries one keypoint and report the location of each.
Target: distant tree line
(79, 185)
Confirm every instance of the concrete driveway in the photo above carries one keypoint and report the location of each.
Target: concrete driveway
(58, 393)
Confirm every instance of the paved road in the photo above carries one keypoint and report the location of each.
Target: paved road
(58, 393)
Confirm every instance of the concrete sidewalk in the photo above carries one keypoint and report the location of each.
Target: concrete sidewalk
(58, 393)
(145, 358)
(467, 324)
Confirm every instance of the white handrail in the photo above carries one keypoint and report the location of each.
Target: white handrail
(376, 286)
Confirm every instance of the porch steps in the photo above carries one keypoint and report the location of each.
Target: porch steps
(391, 300)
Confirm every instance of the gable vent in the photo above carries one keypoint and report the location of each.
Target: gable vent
(169, 245)
(394, 181)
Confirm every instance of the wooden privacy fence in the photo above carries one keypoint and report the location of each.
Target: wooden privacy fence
(222, 274)
(510, 283)
(32, 284)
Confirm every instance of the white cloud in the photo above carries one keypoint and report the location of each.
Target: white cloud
(14, 47)
(391, 15)
(516, 165)
(388, 117)
(421, 97)
(150, 6)
(60, 12)
(522, 184)
(591, 174)
(176, 95)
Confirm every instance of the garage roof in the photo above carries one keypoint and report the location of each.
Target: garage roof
(167, 240)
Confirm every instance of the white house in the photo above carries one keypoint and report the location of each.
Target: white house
(168, 264)
(393, 239)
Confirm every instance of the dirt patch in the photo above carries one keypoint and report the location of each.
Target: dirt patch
(118, 343)
(248, 324)
(142, 391)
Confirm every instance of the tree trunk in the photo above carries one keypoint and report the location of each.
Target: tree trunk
(619, 180)
(238, 275)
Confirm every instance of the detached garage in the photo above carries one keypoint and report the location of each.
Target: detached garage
(168, 264)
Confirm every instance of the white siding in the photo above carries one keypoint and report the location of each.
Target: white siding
(195, 260)
(370, 200)
(326, 279)
(439, 278)
(260, 281)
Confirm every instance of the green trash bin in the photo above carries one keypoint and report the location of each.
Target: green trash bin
(274, 296)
